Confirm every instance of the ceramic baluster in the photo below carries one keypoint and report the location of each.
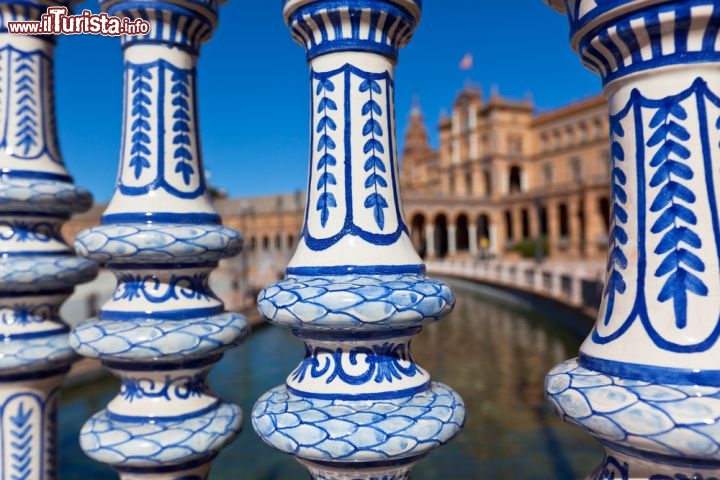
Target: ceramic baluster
(647, 381)
(37, 268)
(357, 406)
(163, 328)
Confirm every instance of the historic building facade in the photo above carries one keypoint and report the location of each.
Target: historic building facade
(504, 176)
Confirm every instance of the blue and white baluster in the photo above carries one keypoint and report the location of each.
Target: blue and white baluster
(37, 268)
(357, 406)
(647, 381)
(164, 328)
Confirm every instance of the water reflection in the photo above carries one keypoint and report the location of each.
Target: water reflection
(495, 356)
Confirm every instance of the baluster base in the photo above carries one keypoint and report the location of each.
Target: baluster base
(367, 431)
(156, 446)
(664, 431)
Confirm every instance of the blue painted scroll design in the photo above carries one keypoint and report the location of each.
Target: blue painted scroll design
(29, 231)
(27, 71)
(384, 363)
(326, 145)
(372, 110)
(667, 169)
(24, 314)
(146, 87)
(612, 469)
(181, 387)
(149, 287)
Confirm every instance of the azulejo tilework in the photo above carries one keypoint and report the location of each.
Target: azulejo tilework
(365, 302)
(346, 431)
(163, 328)
(646, 381)
(37, 269)
(357, 406)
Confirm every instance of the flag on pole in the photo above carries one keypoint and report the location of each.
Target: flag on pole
(467, 62)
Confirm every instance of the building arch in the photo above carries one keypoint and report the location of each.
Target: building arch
(462, 233)
(440, 223)
(483, 238)
(418, 224)
(515, 179)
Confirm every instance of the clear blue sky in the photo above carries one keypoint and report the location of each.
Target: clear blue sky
(254, 94)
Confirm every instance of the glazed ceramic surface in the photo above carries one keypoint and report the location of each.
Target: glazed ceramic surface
(37, 268)
(357, 406)
(163, 328)
(647, 382)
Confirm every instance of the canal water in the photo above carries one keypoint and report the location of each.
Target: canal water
(494, 351)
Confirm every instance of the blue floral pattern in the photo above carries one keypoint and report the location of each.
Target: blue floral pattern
(181, 127)
(676, 221)
(373, 147)
(27, 108)
(325, 144)
(140, 115)
(618, 238)
(669, 199)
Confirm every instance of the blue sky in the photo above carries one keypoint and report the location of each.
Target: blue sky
(253, 92)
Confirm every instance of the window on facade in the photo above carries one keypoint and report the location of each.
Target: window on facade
(583, 133)
(515, 180)
(468, 183)
(570, 138)
(576, 169)
(525, 217)
(509, 225)
(598, 130)
(488, 183)
(452, 182)
(548, 174)
(514, 145)
(564, 220)
(265, 243)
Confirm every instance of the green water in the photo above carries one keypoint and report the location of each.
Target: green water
(493, 354)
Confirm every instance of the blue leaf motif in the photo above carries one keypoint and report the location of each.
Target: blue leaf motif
(374, 164)
(181, 101)
(674, 201)
(140, 114)
(325, 144)
(618, 238)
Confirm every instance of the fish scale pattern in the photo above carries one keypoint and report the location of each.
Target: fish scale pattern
(29, 274)
(36, 354)
(159, 443)
(682, 421)
(343, 431)
(356, 301)
(152, 338)
(24, 195)
(132, 243)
